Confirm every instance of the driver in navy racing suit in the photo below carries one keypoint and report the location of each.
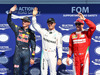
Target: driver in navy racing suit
(24, 37)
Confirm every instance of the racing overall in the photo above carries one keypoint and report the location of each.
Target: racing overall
(50, 40)
(22, 52)
(79, 44)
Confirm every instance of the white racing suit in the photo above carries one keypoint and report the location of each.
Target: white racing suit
(50, 40)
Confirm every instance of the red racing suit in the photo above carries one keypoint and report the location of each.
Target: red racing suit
(79, 43)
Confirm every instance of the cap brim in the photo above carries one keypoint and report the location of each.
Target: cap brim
(25, 20)
(22, 19)
(51, 21)
(77, 22)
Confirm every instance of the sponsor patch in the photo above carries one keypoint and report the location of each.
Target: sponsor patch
(16, 66)
(16, 26)
(28, 33)
(79, 41)
(74, 36)
(82, 35)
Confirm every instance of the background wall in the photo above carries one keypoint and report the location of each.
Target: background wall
(49, 1)
(65, 13)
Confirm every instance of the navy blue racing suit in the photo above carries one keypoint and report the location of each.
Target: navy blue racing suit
(22, 51)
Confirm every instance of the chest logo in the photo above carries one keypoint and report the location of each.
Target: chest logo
(82, 35)
(22, 38)
(74, 36)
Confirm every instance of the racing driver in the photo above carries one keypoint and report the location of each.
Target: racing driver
(79, 44)
(24, 36)
(51, 39)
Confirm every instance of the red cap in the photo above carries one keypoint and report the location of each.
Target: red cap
(79, 21)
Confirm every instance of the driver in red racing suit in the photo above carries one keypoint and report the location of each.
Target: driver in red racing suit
(79, 44)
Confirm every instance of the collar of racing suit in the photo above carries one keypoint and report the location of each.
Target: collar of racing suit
(51, 31)
(25, 29)
(78, 32)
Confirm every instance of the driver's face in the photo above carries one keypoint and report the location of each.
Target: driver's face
(79, 26)
(51, 25)
(25, 23)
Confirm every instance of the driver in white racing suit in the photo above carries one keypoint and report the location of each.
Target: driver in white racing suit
(51, 39)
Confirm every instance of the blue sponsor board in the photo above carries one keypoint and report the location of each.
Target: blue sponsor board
(65, 16)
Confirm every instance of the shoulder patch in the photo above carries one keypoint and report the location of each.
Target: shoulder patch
(28, 33)
(16, 26)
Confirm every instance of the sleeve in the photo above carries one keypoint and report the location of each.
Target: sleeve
(33, 44)
(59, 45)
(70, 52)
(92, 27)
(11, 24)
(36, 25)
